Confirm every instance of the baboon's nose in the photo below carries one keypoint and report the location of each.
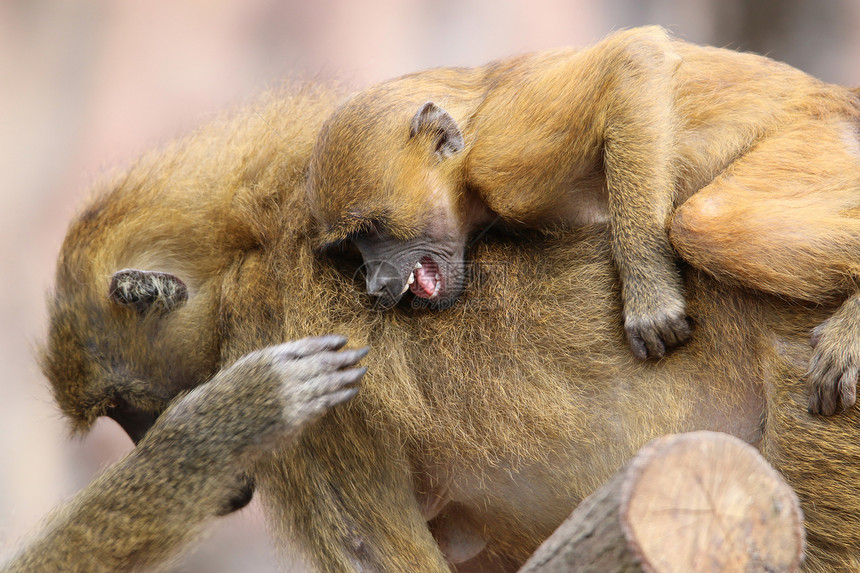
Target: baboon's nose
(384, 281)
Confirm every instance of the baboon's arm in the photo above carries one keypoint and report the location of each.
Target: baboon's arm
(190, 467)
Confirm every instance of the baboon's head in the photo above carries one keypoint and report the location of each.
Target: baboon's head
(386, 177)
(135, 317)
(133, 314)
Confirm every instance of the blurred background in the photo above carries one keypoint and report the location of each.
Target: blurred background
(88, 85)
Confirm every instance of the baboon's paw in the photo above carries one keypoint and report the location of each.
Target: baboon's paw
(651, 334)
(835, 365)
(316, 376)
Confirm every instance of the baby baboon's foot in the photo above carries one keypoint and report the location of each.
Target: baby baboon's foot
(835, 363)
(651, 333)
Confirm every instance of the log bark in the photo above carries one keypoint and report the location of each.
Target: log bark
(701, 501)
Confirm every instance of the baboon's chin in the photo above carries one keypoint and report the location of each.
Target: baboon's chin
(443, 299)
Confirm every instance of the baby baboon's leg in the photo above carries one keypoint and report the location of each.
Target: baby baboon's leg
(784, 219)
(638, 164)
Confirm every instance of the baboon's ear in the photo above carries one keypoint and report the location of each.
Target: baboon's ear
(432, 119)
(147, 291)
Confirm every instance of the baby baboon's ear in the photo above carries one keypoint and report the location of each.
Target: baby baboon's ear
(147, 291)
(433, 120)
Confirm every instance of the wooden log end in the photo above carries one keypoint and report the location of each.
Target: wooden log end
(705, 501)
(702, 501)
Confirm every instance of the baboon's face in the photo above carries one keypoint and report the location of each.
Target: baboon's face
(430, 266)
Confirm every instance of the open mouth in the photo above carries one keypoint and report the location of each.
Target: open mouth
(425, 280)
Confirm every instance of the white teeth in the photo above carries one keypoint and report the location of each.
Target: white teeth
(408, 282)
(417, 266)
(436, 288)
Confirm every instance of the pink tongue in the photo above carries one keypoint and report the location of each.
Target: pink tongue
(425, 278)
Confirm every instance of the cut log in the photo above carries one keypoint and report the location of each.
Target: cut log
(696, 502)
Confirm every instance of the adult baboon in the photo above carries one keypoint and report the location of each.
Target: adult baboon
(475, 432)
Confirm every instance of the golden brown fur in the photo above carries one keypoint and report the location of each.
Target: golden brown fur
(623, 131)
(492, 420)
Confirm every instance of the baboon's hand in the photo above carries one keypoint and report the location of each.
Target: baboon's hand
(268, 394)
(835, 363)
(311, 376)
(655, 326)
(315, 376)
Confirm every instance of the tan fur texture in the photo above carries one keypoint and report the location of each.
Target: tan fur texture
(623, 131)
(483, 425)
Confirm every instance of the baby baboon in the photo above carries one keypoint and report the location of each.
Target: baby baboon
(623, 131)
(474, 434)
